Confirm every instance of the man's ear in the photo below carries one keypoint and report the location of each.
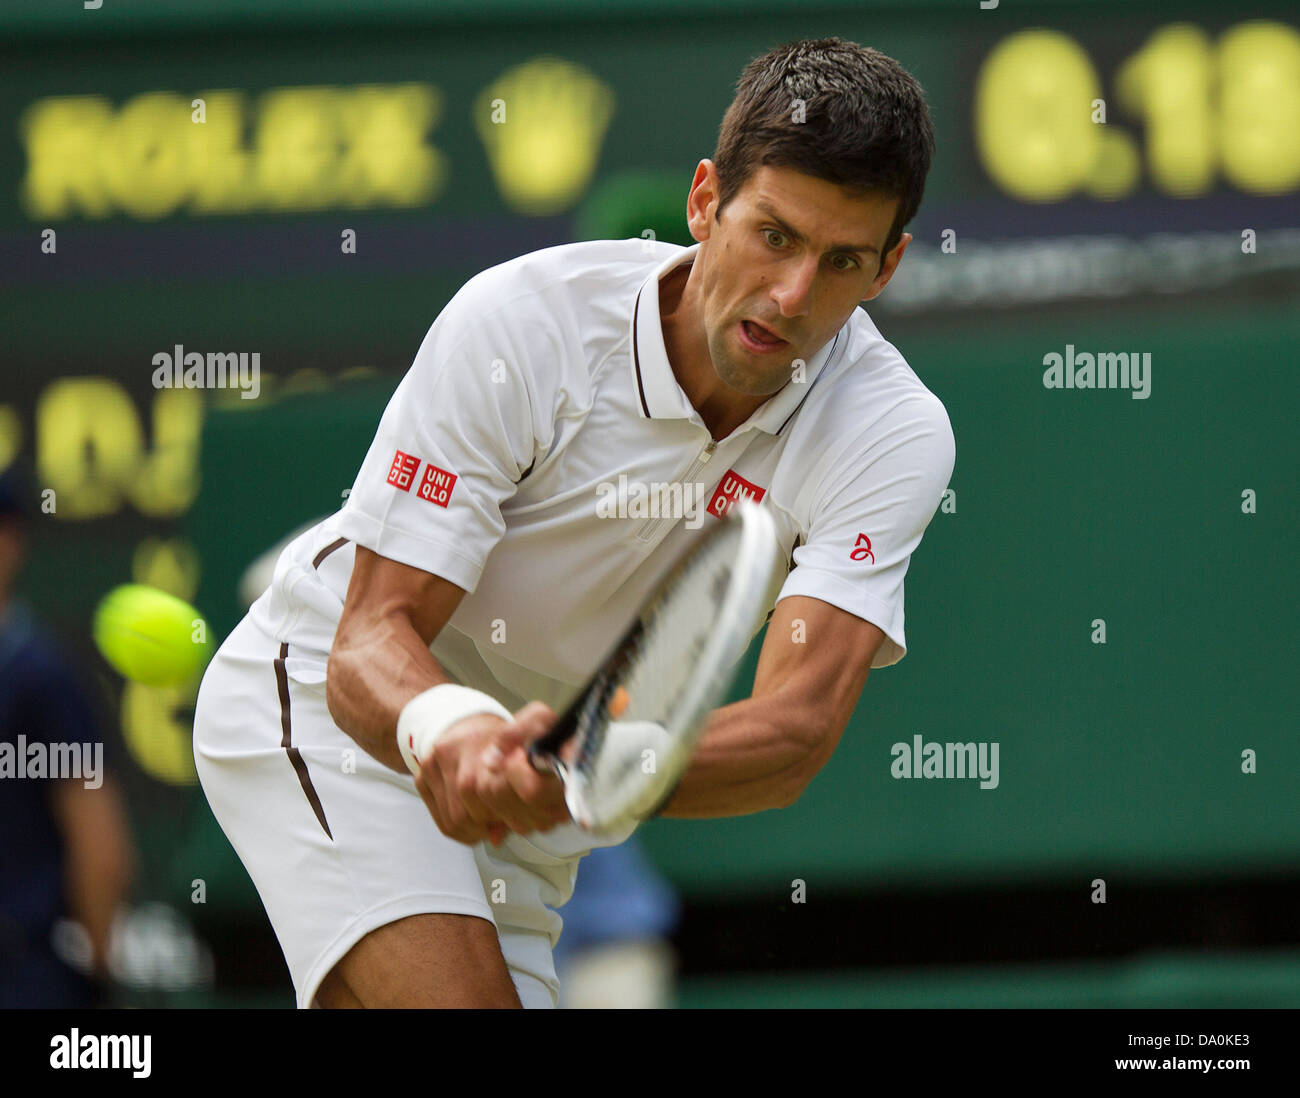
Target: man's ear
(701, 200)
(889, 266)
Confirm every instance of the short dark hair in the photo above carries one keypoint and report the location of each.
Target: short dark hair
(866, 125)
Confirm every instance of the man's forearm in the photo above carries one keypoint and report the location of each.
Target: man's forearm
(754, 755)
(371, 677)
(99, 859)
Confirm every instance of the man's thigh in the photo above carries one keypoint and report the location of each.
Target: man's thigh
(341, 849)
(423, 961)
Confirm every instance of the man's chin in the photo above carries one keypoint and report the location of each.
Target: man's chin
(744, 378)
(751, 387)
(740, 375)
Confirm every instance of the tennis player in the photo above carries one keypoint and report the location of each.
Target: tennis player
(572, 420)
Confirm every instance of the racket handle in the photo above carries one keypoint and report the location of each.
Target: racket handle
(557, 735)
(546, 763)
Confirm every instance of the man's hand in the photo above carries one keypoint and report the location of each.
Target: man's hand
(478, 782)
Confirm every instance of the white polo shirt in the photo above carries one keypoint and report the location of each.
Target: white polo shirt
(524, 457)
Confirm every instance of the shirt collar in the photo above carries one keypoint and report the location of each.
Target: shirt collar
(661, 397)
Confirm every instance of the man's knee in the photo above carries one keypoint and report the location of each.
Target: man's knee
(432, 960)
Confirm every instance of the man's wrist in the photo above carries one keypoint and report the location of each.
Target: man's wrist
(428, 715)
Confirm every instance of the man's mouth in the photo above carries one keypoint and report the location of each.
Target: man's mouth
(760, 336)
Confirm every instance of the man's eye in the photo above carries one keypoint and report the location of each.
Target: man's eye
(853, 263)
(769, 233)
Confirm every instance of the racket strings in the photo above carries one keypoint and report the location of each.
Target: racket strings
(660, 654)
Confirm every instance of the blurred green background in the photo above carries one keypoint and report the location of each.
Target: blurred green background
(1172, 228)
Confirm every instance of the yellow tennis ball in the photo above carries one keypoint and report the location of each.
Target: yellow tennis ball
(150, 636)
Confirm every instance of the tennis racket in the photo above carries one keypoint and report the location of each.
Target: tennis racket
(623, 744)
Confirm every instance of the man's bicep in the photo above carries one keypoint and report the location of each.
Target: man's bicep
(815, 660)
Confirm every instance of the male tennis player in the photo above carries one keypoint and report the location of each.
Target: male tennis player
(476, 575)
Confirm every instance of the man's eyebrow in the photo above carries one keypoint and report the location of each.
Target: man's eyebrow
(799, 238)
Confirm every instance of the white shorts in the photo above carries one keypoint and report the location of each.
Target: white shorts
(338, 844)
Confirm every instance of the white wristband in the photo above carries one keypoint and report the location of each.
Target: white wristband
(428, 715)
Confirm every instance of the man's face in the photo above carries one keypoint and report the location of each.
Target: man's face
(791, 254)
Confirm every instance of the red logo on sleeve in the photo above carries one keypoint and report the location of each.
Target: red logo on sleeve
(436, 485)
(862, 549)
(733, 487)
(402, 472)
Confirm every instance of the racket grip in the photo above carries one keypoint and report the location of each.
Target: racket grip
(546, 763)
(540, 760)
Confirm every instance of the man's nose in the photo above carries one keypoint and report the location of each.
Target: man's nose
(793, 290)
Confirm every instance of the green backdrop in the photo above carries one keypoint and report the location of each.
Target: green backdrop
(1070, 506)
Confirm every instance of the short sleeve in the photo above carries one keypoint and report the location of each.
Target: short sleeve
(457, 436)
(868, 515)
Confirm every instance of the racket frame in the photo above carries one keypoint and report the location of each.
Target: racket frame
(739, 616)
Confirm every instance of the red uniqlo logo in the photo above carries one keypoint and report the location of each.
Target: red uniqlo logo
(402, 472)
(732, 488)
(436, 485)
